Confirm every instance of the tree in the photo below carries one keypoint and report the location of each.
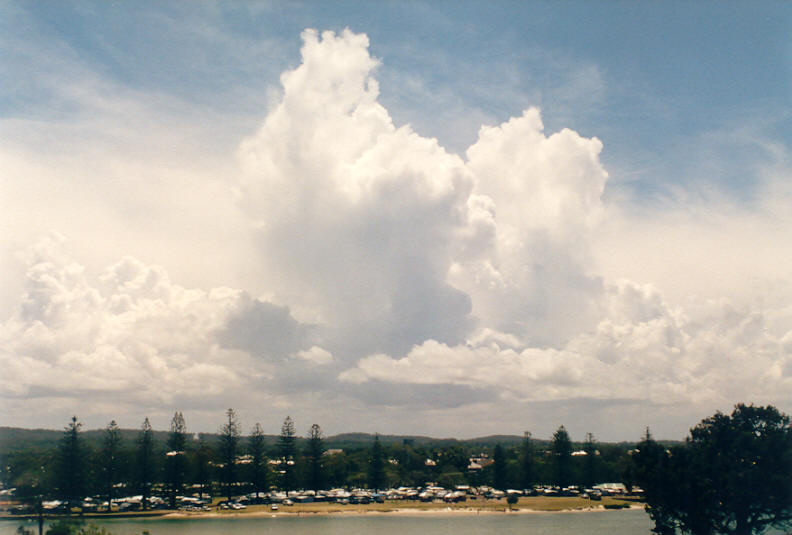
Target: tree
(526, 462)
(376, 475)
(590, 461)
(499, 467)
(258, 466)
(176, 459)
(731, 475)
(313, 453)
(110, 460)
(71, 468)
(145, 461)
(229, 446)
(562, 457)
(651, 462)
(287, 449)
(202, 473)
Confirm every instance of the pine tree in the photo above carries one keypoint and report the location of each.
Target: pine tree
(376, 465)
(562, 457)
(258, 467)
(526, 462)
(590, 461)
(229, 446)
(176, 459)
(314, 453)
(499, 467)
(145, 461)
(202, 473)
(287, 449)
(110, 460)
(71, 468)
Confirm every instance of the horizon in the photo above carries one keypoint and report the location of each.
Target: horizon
(399, 218)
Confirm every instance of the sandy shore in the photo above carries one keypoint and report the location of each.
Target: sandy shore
(526, 505)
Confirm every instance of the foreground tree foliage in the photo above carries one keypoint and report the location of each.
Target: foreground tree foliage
(731, 476)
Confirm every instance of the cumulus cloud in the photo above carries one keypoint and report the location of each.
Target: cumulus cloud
(134, 333)
(359, 220)
(401, 276)
(315, 355)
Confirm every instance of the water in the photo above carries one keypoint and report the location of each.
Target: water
(633, 522)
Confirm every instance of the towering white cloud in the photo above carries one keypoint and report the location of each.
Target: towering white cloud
(359, 220)
(400, 275)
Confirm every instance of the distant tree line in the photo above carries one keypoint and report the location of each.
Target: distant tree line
(230, 464)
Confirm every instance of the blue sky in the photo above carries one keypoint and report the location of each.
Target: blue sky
(651, 79)
(137, 131)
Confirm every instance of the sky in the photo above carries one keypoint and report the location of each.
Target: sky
(451, 219)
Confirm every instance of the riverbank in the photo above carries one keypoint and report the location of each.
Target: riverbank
(530, 504)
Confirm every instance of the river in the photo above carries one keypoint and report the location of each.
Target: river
(632, 522)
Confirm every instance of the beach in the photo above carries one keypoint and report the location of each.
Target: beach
(525, 505)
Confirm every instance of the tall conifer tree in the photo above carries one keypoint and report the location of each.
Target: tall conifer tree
(176, 459)
(145, 464)
(110, 460)
(229, 448)
(287, 449)
(314, 452)
(71, 468)
(376, 465)
(527, 462)
(562, 457)
(258, 468)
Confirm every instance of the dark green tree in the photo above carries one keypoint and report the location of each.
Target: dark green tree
(651, 470)
(562, 457)
(314, 453)
(287, 449)
(258, 466)
(202, 474)
(229, 448)
(176, 459)
(590, 463)
(527, 469)
(145, 463)
(110, 461)
(376, 472)
(72, 469)
(499, 467)
(730, 477)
